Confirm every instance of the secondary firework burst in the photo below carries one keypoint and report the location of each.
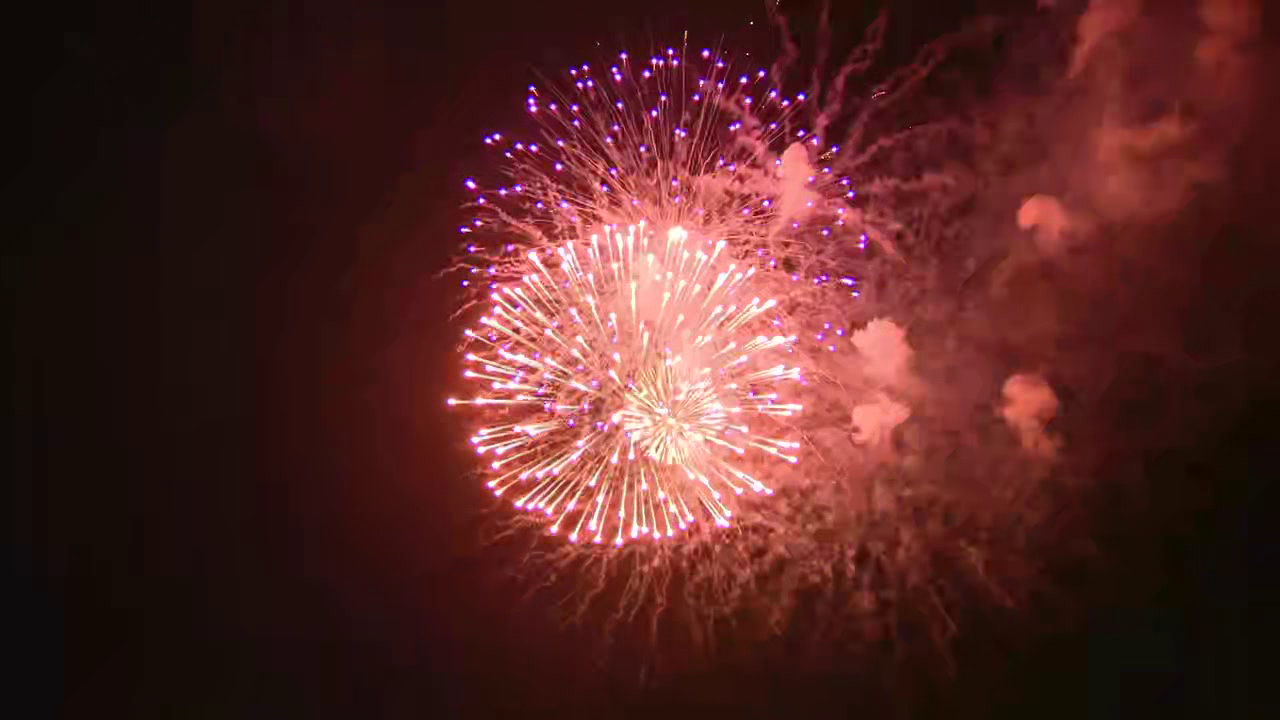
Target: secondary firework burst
(680, 138)
(628, 379)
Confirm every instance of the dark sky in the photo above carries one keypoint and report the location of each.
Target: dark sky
(238, 495)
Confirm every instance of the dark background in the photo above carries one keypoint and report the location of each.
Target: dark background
(237, 493)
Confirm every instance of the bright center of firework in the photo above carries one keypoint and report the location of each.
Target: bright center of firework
(626, 378)
(670, 416)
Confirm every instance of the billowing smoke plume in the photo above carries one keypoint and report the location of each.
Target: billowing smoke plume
(1029, 405)
(875, 421)
(796, 196)
(1150, 108)
(885, 353)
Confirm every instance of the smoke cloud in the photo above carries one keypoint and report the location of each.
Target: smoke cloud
(795, 196)
(1103, 18)
(875, 421)
(1029, 405)
(1145, 116)
(885, 352)
(1049, 219)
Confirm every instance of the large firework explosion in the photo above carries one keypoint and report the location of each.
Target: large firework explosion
(626, 378)
(676, 139)
(802, 203)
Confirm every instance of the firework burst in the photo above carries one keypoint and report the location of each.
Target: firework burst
(614, 402)
(632, 377)
(629, 380)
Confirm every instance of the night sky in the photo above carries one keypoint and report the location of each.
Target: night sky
(238, 492)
